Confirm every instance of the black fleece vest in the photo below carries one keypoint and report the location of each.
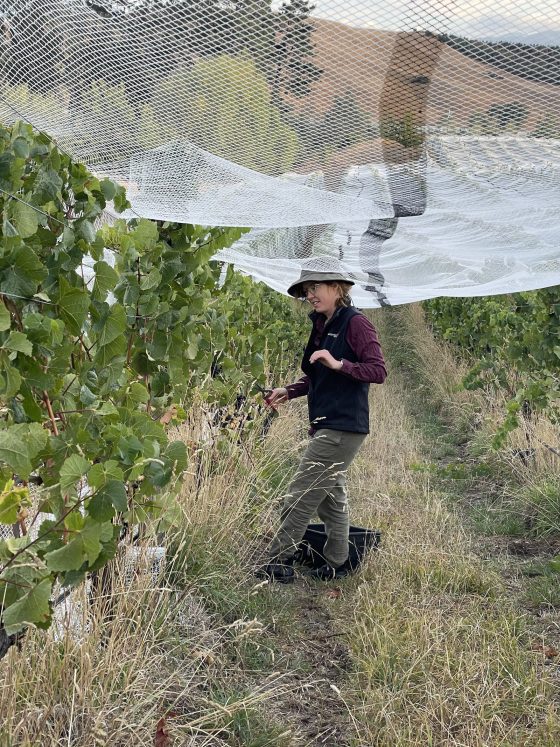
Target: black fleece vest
(335, 400)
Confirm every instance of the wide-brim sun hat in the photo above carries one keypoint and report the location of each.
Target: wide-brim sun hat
(319, 270)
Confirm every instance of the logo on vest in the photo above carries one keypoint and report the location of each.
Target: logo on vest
(332, 334)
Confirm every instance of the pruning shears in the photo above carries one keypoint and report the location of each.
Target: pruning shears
(266, 392)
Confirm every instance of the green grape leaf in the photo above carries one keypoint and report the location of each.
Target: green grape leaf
(145, 235)
(114, 326)
(112, 496)
(176, 452)
(152, 280)
(8, 228)
(73, 470)
(84, 547)
(86, 230)
(25, 219)
(100, 474)
(18, 342)
(74, 521)
(100, 507)
(31, 408)
(24, 274)
(120, 202)
(74, 305)
(91, 536)
(107, 408)
(12, 382)
(108, 188)
(105, 280)
(106, 354)
(31, 609)
(117, 492)
(11, 500)
(87, 397)
(137, 393)
(108, 550)
(47, 186)
(9, 508)
(68, 238)
(20, 444)
(69, 557)
(192, 349)
(5, 318)
(20, 147)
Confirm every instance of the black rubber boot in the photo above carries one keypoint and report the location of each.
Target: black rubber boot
(281, 572)
(328, 573)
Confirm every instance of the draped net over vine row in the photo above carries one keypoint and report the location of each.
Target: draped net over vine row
(416, 141)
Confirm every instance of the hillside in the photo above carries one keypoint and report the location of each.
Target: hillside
(535, 61)
(392, 70)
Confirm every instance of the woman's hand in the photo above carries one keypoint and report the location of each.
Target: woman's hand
(324, 357)
(277, 396)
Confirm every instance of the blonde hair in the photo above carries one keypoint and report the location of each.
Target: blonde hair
(344, 298)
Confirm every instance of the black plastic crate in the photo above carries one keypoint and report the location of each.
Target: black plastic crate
(360, 540)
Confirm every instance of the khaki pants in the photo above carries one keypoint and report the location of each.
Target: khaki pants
(319, 487)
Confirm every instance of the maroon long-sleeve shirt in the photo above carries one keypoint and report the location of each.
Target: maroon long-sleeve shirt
(362, 338)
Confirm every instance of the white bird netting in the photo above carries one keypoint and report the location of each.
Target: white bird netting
(417, 141)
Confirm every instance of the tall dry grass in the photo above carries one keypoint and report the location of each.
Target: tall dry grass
(113, 668)
(164, 641)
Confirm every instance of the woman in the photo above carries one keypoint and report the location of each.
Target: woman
(341, 360)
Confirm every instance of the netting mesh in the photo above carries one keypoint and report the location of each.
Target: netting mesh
(418, 141)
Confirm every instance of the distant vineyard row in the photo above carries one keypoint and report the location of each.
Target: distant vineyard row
(515, 343)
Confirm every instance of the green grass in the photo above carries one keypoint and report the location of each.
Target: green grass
(451, 576)
(530, 510)
(245, 726)
(250, 729)
(491, 520)
(543, 592)
(542, 503)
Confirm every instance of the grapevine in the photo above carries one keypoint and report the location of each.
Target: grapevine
(103, 332)
(515, 342)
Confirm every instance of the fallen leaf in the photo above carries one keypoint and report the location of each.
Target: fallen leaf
(335, 593)
(549, 652)
(162, 735)
(206, 656)
(168, 416)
